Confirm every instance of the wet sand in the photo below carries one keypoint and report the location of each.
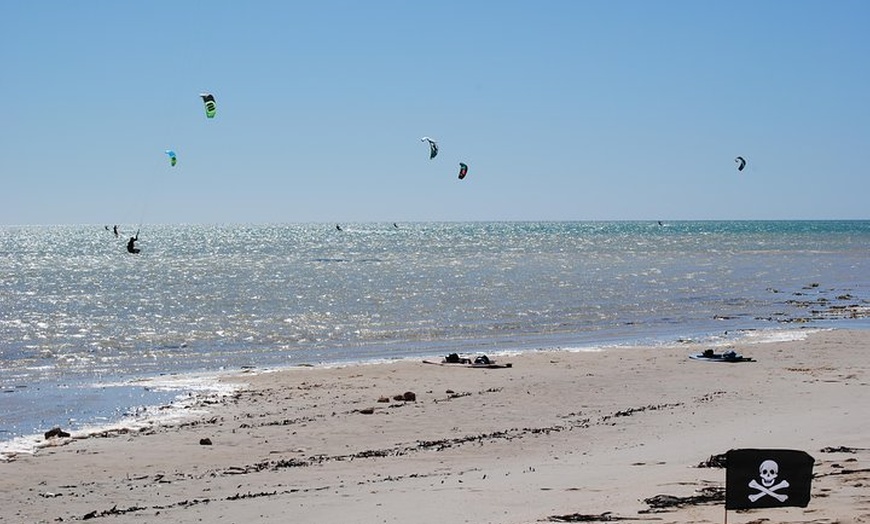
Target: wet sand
(560, 436)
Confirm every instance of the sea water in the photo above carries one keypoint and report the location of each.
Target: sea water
(90, 334)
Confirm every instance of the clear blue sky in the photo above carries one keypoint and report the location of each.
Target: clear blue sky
(563, 110)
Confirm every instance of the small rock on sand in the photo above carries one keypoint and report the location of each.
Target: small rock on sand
(56, 432)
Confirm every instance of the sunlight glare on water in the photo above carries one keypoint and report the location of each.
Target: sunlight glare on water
(76, 308)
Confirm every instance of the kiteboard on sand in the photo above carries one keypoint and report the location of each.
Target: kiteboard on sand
(729, 356)
(481, 362)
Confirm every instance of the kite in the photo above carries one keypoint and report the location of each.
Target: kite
(741, 163)
(210, 105)
(433, 147)
(463, 170)
(172, 159)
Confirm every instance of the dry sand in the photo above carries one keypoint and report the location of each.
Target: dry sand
(574, 434)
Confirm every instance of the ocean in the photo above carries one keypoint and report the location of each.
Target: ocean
(91, 335)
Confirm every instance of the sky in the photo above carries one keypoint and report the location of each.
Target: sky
(563, 110)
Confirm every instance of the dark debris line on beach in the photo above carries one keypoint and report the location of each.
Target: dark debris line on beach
(442, 444)
(706, 495)
(657, 504)
(423, 445)
(238, 496)
(607, 516)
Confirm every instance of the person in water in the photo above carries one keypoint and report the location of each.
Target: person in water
(131, 244)
(115, 229)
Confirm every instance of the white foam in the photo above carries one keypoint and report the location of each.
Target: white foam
(579, 349)
(777, 335)
(196, 391)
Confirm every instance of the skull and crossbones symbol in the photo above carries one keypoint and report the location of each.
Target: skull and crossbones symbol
(768, 471)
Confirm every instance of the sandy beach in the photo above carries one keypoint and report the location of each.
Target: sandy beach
(590, 436)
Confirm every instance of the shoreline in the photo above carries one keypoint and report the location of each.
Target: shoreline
(203, 388)
(559, 433)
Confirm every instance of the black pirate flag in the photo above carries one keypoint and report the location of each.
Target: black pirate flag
(767, 478)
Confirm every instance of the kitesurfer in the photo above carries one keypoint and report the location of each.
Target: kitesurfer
(131, 244)
(115, 229)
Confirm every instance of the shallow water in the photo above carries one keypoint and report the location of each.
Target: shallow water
(81, 320)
